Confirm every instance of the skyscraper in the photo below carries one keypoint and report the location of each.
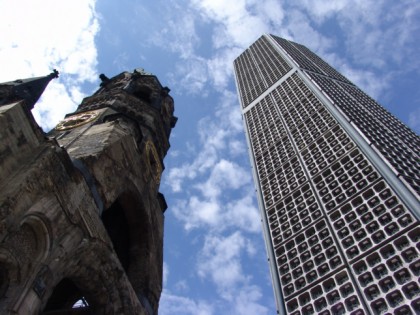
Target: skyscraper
(338, 184)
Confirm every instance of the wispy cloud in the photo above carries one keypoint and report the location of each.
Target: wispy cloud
(221, 260)
(179, 305)
(165, 273)
(218, 214)
(179, 33)
(218, 136)
(190, 76)
(247, 301)
(414, 120)
(224, 175)
(70, 48)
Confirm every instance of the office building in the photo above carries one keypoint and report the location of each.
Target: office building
(338, 184)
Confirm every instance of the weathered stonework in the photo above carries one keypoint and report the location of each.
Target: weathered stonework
(81, 216)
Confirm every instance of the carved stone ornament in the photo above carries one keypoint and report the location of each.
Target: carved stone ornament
(153, 159)
(76, 120)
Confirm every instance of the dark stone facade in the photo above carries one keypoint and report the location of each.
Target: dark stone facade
(81, 216)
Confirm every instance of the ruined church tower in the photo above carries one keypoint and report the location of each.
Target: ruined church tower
(81, 215)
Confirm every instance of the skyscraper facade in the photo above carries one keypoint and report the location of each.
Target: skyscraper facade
(338, 185)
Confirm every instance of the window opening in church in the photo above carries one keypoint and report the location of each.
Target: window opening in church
(143, 93)
(4, 280)
(65, 299)
(117, 227)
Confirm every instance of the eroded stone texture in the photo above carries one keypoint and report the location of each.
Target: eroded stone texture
(81, 216)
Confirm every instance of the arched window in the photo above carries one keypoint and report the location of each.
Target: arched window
(127, 224)
(143, 93)
(116, 224)
(4, 280)
(67, 299)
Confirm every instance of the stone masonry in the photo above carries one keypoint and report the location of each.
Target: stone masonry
(81, 216)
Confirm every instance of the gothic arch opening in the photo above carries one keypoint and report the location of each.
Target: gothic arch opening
(4, 280)
(67, 299)
(143, 92)
(116, 224)
(127, 224)
(35, 226)
(9, 273)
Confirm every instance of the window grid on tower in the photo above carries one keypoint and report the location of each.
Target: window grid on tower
(326, 68)
(251, 83)
(257, 69)
(268, 137)
(307, 60)
(338, 184)
(404, 161)
(271, 64)
(343, 241)
(398, 129)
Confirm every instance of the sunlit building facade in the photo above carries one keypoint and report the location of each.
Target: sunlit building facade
(338, 183)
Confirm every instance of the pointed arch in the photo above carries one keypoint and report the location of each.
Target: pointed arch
(9, 271)
(41, 230)
(129, 226)
(64, 300)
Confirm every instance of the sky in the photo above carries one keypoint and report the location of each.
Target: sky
(214, 255)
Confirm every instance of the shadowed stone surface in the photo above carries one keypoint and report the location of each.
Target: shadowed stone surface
(81, 216)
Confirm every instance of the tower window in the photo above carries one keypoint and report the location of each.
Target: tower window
(117, 227)
(67, 299)
(4, 280)
(143, 92)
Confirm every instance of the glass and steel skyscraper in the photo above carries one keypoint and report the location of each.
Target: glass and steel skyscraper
(338, 182)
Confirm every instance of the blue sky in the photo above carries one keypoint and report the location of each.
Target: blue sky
(215, 261)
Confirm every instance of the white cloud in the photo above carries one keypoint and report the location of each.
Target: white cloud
(321, 10)
(246, 301)
(54, 104)
(211, 207)
(221, 66)
(376, 35)
(191, 75)
(224, 175)
(171, 304)
(215, 135)
(220, 10)
(273, 11)
(217, 214)
(181, 286)
(198, 212)
(202, 162)
(238, 25)
(220, 259)
(414, 120)
(300, 30)
(243, 213)
(64, 40)
(237, 148)
(165, 273)
(209, 181)
(178, 35)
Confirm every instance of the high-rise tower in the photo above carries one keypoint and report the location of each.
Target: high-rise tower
(338, 182)
(81, 216)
